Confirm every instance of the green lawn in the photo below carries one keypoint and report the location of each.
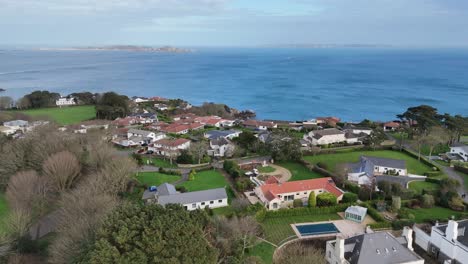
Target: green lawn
(299, 171)
(331, 160)
(264, 251)
(205, 180)
(156, 178)
(279, 228)
(419, 186)
(423, 214)
(159, 162)
(464, 139)
(3, 211)
(65, 115)
(267, 169)
(398, 135)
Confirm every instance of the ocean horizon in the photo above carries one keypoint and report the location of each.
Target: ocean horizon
(277, 83)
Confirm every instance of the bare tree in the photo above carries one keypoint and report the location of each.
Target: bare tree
(26, 191)
(62, 169)
(300, 254)
(198, 150)
(23, 103)
(437, 136)
(6, 102)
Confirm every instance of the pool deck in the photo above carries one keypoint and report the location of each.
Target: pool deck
(346, 229)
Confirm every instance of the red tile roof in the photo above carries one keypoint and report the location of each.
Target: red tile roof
(257, 123)
(391, 124)
(270, 191)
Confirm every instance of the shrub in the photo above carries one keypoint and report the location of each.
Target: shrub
(352, 187)
(349, 198)
(414, 203)
(322, 165)
(380, 225)
(373, 213)
(297, 203)
(181, 189)
(326, 199)
(427, 201)
(396, 203)
(404, 213)
(261, 214)
(312, 200)
(399, 224)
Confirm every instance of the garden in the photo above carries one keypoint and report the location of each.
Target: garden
(158, 162)
(299, 171)
(205, 180)
(65, 115)
(156, 178)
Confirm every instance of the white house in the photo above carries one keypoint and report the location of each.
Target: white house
(140, 100)
(358, 130)
(373, 248)
(325, 136)
(226, 134)
(167, 194)
(7, 130)
(259, 125)
(365, 171)
(220, 147)
(281, 195)
(460, 150)
(147, 136)
(65, 101)
(169, 146)
(447, 243)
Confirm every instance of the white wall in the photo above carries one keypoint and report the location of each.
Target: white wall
(200, 205)
(328, 139)
(459, 151)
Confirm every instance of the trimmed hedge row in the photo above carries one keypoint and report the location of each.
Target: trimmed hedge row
(433, 180)
(461, 169)
(380, 225)
(307, 211)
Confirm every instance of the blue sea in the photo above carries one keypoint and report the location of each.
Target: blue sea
(280, 83)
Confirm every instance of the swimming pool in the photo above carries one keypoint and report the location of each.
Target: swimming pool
(317, 229)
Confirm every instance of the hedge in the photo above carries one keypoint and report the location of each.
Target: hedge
(423, 159)
(307, 211)
(461, 169)
(433, 180)
(380, 225)
(352, 187)
(432, 173)
(374, 214)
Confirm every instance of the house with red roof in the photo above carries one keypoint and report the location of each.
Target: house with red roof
(282, 195)
(391, 126)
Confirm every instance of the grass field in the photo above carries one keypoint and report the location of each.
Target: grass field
(264, 251)
(65, 115)
(205, 180)
(159, 162)
(419, 186)
(422, 214)
(279, 228)
(156, 178)
(3, 211)
(331, 160)
(267, 169)
(299, 171)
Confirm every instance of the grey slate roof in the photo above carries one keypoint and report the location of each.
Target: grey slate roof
(143, 133)
(326, 132)
(384, 162)
(380, 247)
(148, 195)
(461, 145)
(166, 189)
(219, 141)
(193, 197)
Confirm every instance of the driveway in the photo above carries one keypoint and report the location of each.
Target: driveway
(402, 180)
(454, 175)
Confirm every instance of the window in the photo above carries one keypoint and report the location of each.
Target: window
(329, 254)
(211, 202)
(297, 193)
(305, 192)
(220, 201)
(433, 250)
(203, 203)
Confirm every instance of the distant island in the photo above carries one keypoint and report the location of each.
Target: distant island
(2, 90)
(331, 45)
(169, 49)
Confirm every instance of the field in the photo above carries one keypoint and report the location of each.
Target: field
(156, 178)
(3, 210)
(65, 115)
(159, 162)
(419, 186)
(267, 169)
(331, 160)
(205, 180)
(264, 251)
(279, 228)
(299, 171)
(422, 214)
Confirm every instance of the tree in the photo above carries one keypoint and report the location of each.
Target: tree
(39, 99)
(151, 233)
(376, 138)
(349, 197)
(326, 199)
(62, 169)
(312, 200)
(23, 103)
(437, 136)
(282, 146)
(5, 102)
(111, 105)
(185, 157)
(235, 236)
(422, 118)
(296, 253)
(198, 150)
(192, 174)
(86, 98)
(457, 125)
(246, 140)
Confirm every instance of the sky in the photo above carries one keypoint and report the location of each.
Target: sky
(233, 22)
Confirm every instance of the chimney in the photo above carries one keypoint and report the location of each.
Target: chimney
(339, 248)
(408, 234)
(452, 230)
